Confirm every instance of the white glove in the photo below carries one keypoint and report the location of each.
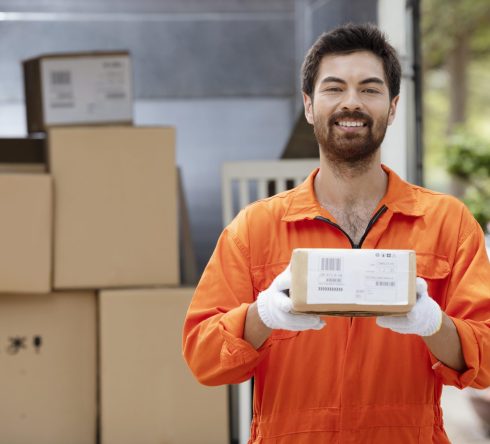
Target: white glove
(424, 319)
(274, 307)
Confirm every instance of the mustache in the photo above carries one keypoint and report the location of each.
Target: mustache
(356, 115)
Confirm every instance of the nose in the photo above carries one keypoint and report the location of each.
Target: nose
(351, 100)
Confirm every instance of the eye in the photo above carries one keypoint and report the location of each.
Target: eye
(333, 89)
(371, 91)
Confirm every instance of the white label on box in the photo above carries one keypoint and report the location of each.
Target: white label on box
(375, 278)
(87, 89)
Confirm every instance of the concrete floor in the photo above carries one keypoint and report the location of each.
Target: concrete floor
(460, 421)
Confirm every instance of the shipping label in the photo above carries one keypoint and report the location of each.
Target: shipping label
(86, 89)
(378, 277)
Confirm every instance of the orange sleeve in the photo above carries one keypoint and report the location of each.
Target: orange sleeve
(213, 343)
(468, 304)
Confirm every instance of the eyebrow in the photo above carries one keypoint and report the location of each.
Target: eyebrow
(372, 80)
(331, 79)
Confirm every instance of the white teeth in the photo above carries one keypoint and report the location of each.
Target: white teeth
(351, 124)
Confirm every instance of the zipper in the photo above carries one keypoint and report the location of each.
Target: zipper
(373, 220)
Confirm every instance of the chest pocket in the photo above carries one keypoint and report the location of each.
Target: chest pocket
(262, 277)
(435, 270)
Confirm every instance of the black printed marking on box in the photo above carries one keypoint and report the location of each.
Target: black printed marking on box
(384, 284)
(60, 78)
(330, 263)
(62, 105)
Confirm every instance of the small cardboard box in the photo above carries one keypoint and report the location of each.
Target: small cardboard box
(78, 89)
(48, 364)
(115, 214)
(148, 394)
(26, 234)
(357, 282)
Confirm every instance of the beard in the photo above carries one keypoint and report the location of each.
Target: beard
(352, 150)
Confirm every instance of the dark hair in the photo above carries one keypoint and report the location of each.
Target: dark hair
(348, 39)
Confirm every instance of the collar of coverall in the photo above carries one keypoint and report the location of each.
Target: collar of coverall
(399, 198)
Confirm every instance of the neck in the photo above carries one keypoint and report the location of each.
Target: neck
(342, 186)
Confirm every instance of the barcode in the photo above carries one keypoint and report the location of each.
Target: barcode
(330, 289)
(330, 263)
(60, 77)
(384, 284)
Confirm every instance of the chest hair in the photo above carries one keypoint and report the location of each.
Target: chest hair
(353, 219)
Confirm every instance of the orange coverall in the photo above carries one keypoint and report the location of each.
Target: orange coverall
(352, 381)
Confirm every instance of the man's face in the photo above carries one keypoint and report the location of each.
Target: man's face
(351, 107)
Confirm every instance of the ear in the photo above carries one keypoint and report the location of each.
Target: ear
(392, 111)
(308, 104)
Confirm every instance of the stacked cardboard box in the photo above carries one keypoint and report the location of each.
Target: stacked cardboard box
(98, 231)
(25, 256)
(86, 88)
(48, 359)
(148, 394)
(115, 216)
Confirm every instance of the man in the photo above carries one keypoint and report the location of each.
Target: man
(338, 379)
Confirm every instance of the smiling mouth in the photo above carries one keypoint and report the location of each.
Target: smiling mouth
(350, 124)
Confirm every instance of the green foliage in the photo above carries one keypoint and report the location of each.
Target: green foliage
(436, 115)
(469, 160)
(446, 21)
(449, 153)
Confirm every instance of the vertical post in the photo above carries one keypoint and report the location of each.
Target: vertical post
(244, 411)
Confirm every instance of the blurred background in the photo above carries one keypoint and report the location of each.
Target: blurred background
(224, 74)
(455, 37)
(456, 61)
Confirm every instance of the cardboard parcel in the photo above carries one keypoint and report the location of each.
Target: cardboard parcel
(358, 282)
(147, 393)
(25, 256)
(48, 357)
(81, 88)
(115, 214)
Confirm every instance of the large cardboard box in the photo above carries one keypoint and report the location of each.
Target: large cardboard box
(353, 282)
(26, 233)
(148, 395)
(116, 206)
(77, 89)
(48, 367)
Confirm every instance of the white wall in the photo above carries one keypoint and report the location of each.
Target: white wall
(210, 132)
(393, 19)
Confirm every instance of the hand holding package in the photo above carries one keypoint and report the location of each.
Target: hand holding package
(424, 319)
(274, 307)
